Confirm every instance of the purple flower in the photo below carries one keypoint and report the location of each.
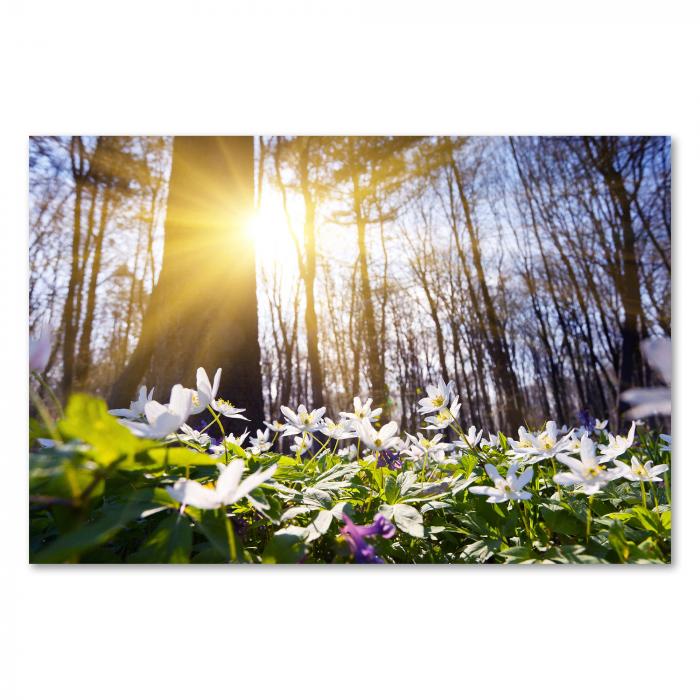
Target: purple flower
(389, 459)
(355, 536)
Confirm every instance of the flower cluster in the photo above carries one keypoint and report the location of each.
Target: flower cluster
(297, 489)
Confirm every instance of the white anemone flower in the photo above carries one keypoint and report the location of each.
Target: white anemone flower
(618, 444)
(438, 397)
(471, 439)
(194, 435)
(301, 444)
(136, 408)
(588, 472)
(545, 445)
(654, 400)
(343, 430)
(419, 446)
(230, 440)
(206, 390)
(228, 490)
(377, 440)
(302, 421)
(261, 443)
(492, 441)
(362, 411)
(276, 426)
(444, 417)
(162, 420)
(441, 458)
(641, 472)
(227, 409)
(40, 349)
(349, 452)
(508, 488)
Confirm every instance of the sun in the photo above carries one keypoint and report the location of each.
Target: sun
(268, 230)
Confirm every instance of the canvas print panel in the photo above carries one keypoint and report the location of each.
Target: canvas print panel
(327, 349)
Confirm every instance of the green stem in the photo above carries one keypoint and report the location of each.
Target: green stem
(524, 519)
(643, 494)
(223, 432)
(588, 518)
(655, 495)
(230, 536)
(50, 391)
(45, 415)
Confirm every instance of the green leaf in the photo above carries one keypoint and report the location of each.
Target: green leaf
(286, 547)
(164, 457)
(213, 526)
(481, 550)
(171, 543)
(87, 419)
(319, 526)
(562, 521)
(68, 547)
(408, 519)
(618, 541)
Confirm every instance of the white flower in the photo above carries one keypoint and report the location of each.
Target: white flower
(136, 408)
(652, 400)
(230, 440)
(667, 440)
(600, 425)
(164, 419)
(301, 444)
(471, 439)
(545, 445)
(420, 446)
(438, 397)
(349, 452)
(261, 443)
(508, 488)
(206, 392)
(383, 439)
(227, 409)
(444, 417)
(587, 471)
(40, 349)
(440, 457)
(194, 435)
(493, 441)
(302, 421)
(228, 490)
(641, 472)
(618, 444)
(338, 431)
(362, 411)
(275, 426)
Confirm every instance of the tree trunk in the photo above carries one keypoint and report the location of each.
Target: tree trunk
(203, 310)
(70, 321)
(309, 274)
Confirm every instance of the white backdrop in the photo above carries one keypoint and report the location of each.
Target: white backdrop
(506, 67)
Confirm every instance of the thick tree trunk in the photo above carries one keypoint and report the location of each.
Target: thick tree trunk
(203, 311)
